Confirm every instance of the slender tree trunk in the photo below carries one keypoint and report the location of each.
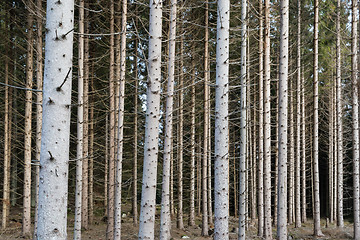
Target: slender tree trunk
(282, 124)
(331, 150)
(243, 123)
(7, 136)
(111, 165)
(26, 223)
(298, 123)
(180, 222)
(316, 210)
(106, 164)
(198, 176)
(39, 82)
(91, 153)
(121, 113)
(192, 143)
(209, 175)
(267, 127)
(260, 184)
(355, 117)
(165, 225)
(205, 227)
(80, 126)
(147, 212)
(291, 154)
(303, 155)
(54, 156)
(221, 230)
(339, 185)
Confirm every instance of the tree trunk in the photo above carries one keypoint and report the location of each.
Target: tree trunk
(221, 230)
(165, 224)
(291, 154)
(316, 183)
(303, 155)
(148, 204)
(54, 156)
(80, 127)
(282, 124)
(267, 127)
(339, 185)
(39, 95)
(26, 223)
(205, 227)
(243, 123)
(91, 153)
(355, 117)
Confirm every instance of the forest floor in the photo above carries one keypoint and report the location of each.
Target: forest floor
(129, 230)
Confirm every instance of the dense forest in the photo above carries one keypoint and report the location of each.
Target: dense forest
(239, 119)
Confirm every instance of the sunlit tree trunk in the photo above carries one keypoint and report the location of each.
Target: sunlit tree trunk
(91, 153)
(54, 156)
(303, 155)
(243, 122)
(148, 204)
(282, 124)
(291, 154)
(26, 223)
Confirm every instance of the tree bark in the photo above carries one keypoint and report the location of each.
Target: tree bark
(282, 124)
(147, 212)
(54, 156)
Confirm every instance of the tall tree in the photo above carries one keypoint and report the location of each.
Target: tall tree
(54, 156)
(282, 124)
(355, 117)
(339, 180)
(26, 224)
(147, 212)
(243, 122)
(165, 224)
(80, 127)
(221, 230)
(267, 127)
(316, 180)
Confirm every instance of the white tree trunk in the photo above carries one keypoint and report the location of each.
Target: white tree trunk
(316, 180)
(221, 230)
(26, 223)
(80, 126)
(303, 155)
(121, 113)
(355, 118)
(282, 124)
(54, 156)
(291, 153)
(165, 224)
(267, 127)
(148, 204)
(298, 124)
(339, 180)
(243, 122)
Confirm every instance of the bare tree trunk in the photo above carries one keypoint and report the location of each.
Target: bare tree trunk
(243, 123)
(106, 164)
(331, 150)
(80, 126)
(39, 95)
(316, 210)
(339, 185)
(26, 224)
(165, 225)
(267, 127)
(111, 165)
(192, 143)
(54, 156)
(291, 154)
(355, 117)
(298, 123)
(260, 183)
(303, 156)
(205, 227)
(147, 212)
(221, 230)
(91, 153)
(7, 136)
(198, 176)
(282, 124)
